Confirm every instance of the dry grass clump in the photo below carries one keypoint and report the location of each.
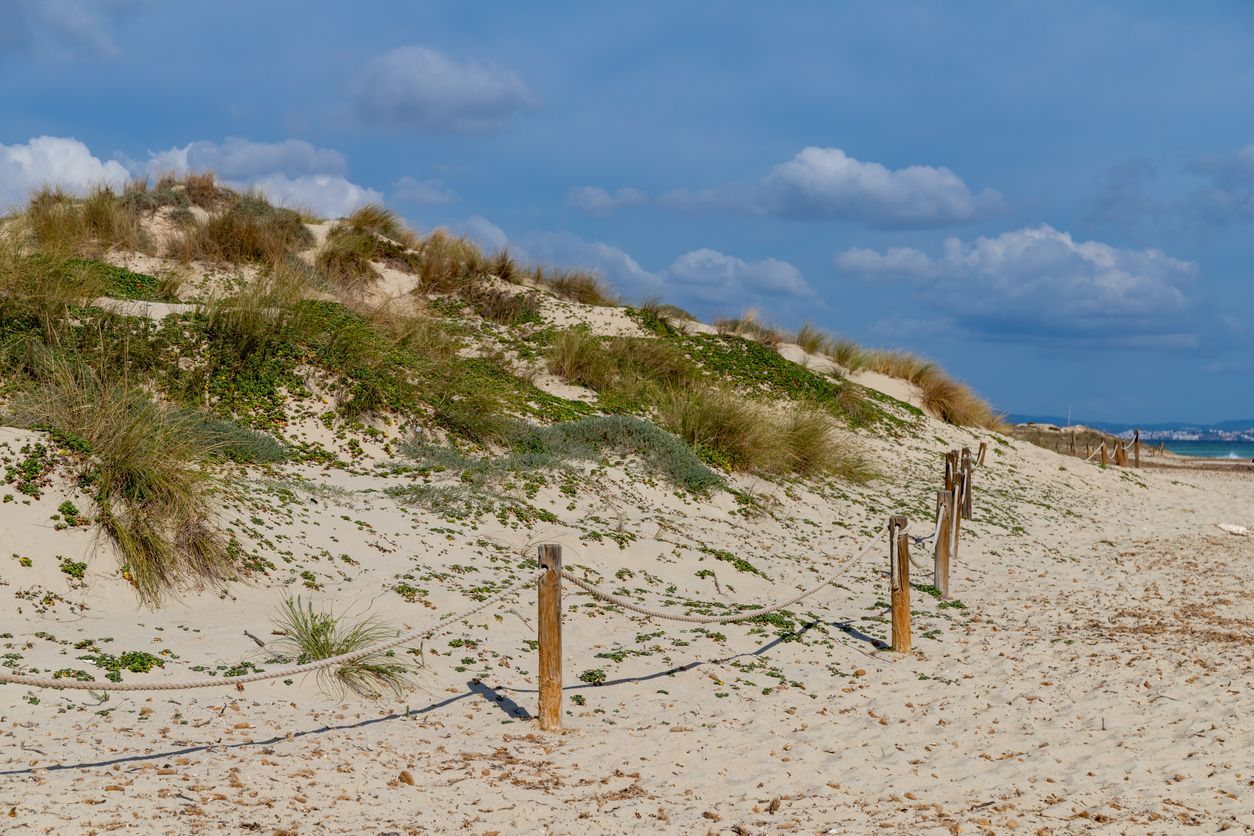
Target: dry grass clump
(948, 399)
(249, 230)
(847, 353)
(579, 286)
(655, 306)
(370, 234)
(446, 263)
(749, 327)
(345, 259)
(311, 635)
(61, 222)
(503, 266)
(37, 292)
(501, 306)
(741, 434)
(731, 429)
(623, 368)
(152, 498)
(812, 340)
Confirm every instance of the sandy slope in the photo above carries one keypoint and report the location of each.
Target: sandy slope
(1100, 676)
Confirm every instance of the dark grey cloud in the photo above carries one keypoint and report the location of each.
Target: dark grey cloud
(1039, 284)
(420, 89)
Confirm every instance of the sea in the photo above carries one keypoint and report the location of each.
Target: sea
(1211, 449)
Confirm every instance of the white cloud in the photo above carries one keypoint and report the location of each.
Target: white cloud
(241, 159)
(486, 234)
(713, 276)
(1038, 283)
(423, 192)
(53, 161)
(417, 88)
(826, 183)
(326, 195)
(291, 172)
(598, 201)
(708, 277)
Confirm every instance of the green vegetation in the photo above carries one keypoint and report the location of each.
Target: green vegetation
(591, 438)
(247, 229)
(311, 635)
(150, 495)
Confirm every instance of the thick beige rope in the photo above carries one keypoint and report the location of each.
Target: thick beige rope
(277, 673)
(747, 615)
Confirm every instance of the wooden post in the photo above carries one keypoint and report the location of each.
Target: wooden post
(967, 483)
(899, 557)
(979, 459)
(1073, 442)
(944, 538)
(951, 469)
(549, 628)
(956, 520)
(1105, 458)
(1088, 451)
(1121, 454)
(1136, 447)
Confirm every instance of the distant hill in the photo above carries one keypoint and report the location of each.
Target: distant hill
(1241, 425)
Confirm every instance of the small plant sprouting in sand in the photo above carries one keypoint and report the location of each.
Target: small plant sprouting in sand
(311, 635)
(812, 340)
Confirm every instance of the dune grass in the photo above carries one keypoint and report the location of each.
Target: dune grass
(749, 327)
(812, 340)
(446, 263)
(89, 226)
(310, 635)
(581, 286)
(670, 313)
(533, 447)
(501, 306)
(248, 230)
(152, 497)
(624, 369)
(948, 399)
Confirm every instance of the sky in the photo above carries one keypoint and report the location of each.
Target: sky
(1054, 200)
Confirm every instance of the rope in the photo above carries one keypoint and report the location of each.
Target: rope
(597, 592)
(278, 673)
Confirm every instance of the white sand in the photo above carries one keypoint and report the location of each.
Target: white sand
(1099, 677)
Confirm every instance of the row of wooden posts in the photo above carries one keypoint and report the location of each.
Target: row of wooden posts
(953, 505)
(1120, 453)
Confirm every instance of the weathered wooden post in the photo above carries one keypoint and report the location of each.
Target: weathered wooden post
(549, 628)
(951, 469)
(899, 567)
(944, 538)
(1073, 442)
(1136, 447)
(968, 483)
(1088, 451)
(956, 519)
(979, 459)
(1105, 458)
(1121, 454)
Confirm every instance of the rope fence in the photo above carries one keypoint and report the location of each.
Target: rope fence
(953, 504)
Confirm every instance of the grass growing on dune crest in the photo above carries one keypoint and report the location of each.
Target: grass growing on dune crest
(249, 230)
(62, 223)
(311, 635)
(948, 399)
(580, 286)
(152, 497)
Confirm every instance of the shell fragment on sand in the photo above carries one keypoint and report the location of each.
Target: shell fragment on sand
(1239, 530)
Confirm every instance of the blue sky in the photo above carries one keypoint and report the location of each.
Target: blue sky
(1053, 199)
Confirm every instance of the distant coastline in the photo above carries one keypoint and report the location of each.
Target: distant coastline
(1238, 450)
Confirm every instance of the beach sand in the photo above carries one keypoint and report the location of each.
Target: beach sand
(1093, 672)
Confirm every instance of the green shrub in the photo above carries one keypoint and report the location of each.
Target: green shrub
(311, 635)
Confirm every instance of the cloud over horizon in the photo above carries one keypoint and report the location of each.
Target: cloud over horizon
(53, 161)
(421, 89)
(596, 200)
(1038, 283)
(826, 183)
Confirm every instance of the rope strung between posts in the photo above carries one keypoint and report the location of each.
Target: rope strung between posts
(278, 673)
(918, 541)
(748, 615)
